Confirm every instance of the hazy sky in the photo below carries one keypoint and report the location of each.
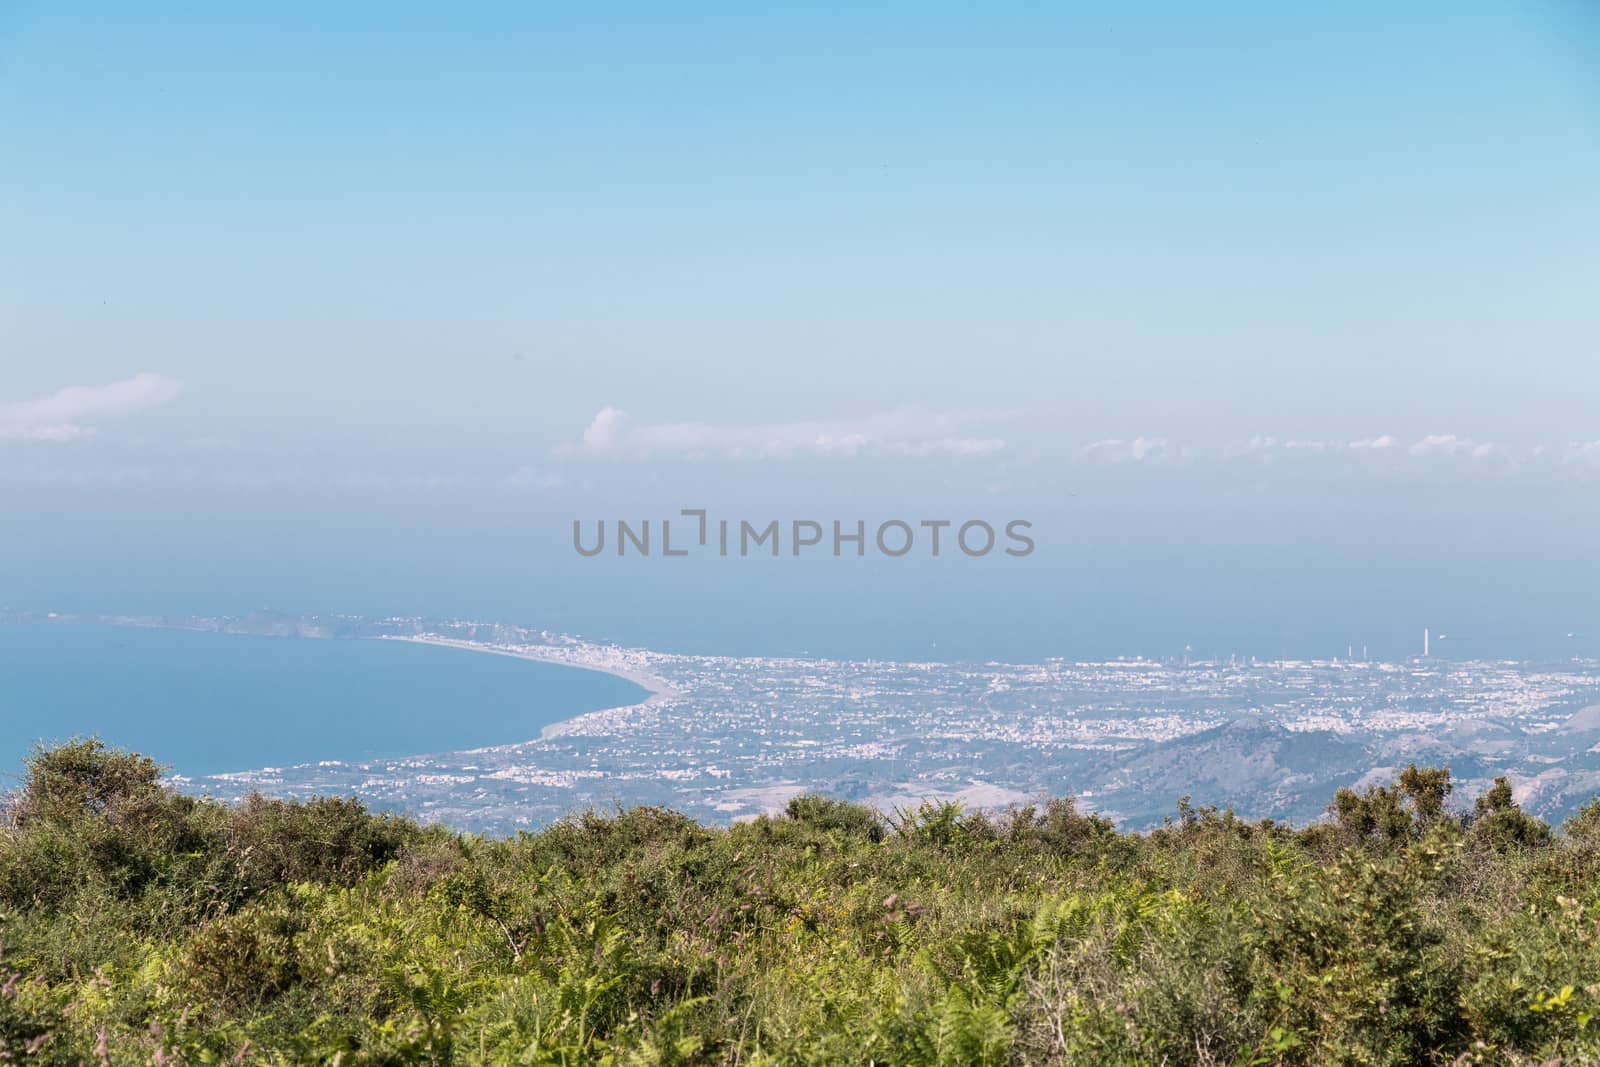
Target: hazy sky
(1224, 274)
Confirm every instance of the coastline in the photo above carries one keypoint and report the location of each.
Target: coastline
(296, 701)
(626, 664)
(660, 691)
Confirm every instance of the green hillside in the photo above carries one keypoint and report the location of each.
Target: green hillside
(141, 926)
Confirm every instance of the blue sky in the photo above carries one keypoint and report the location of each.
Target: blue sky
(1234, 274)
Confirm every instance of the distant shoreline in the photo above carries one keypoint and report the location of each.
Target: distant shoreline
(659, 689)
(212, 706)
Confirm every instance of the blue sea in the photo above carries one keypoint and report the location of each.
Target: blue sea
(204, 703)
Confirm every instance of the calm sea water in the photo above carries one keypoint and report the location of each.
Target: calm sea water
(205, 703)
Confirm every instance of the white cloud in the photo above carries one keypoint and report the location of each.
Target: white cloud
(1449, 445)
(1437, 444)
(1583, 454)
(1384, 453)
(903, 432)
(606, 430)
(532, 478)
(1133, 450)
(1441, 444)
(68, 414)
(1255, 448)
(1433, 446)
(1267, 449)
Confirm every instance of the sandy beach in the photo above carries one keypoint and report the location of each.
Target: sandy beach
(659, 689)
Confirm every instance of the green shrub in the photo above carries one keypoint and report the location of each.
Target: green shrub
(830, 815)
(326, 839)
(144, 926)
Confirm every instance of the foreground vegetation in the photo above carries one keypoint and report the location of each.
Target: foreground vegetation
(142, 926)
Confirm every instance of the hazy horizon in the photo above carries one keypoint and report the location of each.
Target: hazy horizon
(1277, 324)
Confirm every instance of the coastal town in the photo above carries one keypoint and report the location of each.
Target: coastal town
(727, 738)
